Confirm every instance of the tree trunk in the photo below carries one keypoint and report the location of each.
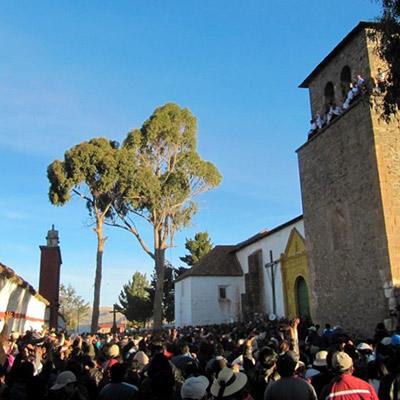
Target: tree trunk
(97, 279)
(158, 296)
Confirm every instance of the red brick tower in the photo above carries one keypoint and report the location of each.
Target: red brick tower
(49, 281)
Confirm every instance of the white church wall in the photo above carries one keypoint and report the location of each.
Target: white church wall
(183, 302)
(18, 297)
(275, 242)
(208, 303)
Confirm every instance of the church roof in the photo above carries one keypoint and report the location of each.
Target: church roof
(220, 261)
(8, 273)
(267, 232)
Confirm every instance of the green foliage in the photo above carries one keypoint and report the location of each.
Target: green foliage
(387, 42)
(161, 181)
(90, 170)
(168, 172)
(72, 306)
(135, 299)
(197, 247)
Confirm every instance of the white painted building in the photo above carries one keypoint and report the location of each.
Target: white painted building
(233, 282)
(209, 292)
(18, 296)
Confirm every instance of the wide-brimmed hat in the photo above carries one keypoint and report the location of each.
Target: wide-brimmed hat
(194, 387)
(63, 379)
(320, 358)
(228, 383)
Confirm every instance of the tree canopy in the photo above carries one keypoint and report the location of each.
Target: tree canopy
(89, 171)
(198, 247)
(388, 47)
(164, 176)
(135, 299)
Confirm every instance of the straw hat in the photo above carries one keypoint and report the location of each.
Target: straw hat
(228, 383)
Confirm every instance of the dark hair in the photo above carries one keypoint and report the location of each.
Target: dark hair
(267, 357)
(286, 366)
(162, 383)
(157, 364)
(184, 348)
(117, 373)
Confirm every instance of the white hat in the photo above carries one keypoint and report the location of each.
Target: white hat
(228, 383)
(364, 346)
(272, 317)
(64, 378)
(320, 358)
(194, 388)
(386, 341)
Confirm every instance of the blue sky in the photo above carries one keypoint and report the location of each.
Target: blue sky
(74, 70)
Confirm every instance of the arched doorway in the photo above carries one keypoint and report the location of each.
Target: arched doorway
(303, 305)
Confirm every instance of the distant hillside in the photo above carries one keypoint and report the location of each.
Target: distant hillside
(105, 317)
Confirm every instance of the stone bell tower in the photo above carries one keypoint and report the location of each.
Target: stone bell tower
(49, 281)
(350, 182)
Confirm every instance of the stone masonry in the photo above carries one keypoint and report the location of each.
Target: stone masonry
(350, 182)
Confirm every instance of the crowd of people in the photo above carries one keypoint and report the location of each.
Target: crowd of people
(356, 87)
(262, 359)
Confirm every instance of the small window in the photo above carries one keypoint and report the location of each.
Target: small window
(182, 289)
(222, 292)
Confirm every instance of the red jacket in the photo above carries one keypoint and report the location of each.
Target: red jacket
(348, 388)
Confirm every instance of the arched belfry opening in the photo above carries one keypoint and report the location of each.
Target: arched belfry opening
(329, 94)
(345, 80)
(302, 297)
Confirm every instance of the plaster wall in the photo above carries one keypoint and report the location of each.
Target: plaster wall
(201, 303)
(29, 310)
(208, 307)
(183, 302)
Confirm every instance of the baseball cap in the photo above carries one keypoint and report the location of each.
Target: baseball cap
(64, 378)
(341, 361)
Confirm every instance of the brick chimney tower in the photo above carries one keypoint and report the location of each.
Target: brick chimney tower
(49, 281)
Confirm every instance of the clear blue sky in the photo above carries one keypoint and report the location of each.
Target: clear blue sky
(73, 70)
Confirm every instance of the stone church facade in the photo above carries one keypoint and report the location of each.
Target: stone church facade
(340, 262)
(350, 184)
